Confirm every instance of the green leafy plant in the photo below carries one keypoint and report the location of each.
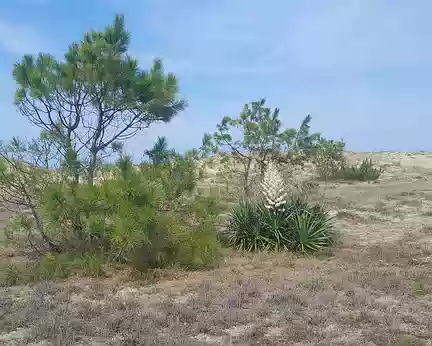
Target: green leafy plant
(262, 140)
(420, 287)
(52, 266)
(24, 174)
(90, 265)
(244, 230)
(160, 153)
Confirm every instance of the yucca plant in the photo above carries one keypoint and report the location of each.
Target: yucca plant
(253, 227)
(273, 228)
(309, 227)
(243, 230)
(276, 223)
(298, 226)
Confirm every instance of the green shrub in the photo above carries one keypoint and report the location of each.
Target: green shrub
(328, 157)
(90, 265)
(52, 266)
(147, 218)
(297, 226)
(12, 275)
(170, 243)
(364, 172)
(17, 231)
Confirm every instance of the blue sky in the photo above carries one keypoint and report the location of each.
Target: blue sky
(361, 68)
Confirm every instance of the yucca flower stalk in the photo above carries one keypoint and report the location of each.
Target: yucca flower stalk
(273, 189)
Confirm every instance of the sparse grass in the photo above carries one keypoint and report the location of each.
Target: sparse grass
(50, 267)
(381, 207)
(16, 271)
(415, 203)
(348, 215)
(408, 193)
(312, 302)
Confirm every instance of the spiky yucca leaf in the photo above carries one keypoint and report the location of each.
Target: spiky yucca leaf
(273, 188)
(311, 228)
(297, 226)
(244, 227)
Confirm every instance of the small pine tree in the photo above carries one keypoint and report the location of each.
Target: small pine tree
(273, 188)
(55, 96)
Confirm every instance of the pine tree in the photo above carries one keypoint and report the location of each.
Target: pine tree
(160, 153)
(97, 97)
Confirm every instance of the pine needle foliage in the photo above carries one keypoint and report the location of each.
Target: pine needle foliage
(97, 97)
(142, 217)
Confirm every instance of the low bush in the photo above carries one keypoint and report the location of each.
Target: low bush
(330, 163)
(328, 157)
(147, 218)
(12, 275)
(90, 265)
(52, 266)
(363, 172)
(297, 226)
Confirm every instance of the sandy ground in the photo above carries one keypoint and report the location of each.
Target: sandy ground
(373, 288)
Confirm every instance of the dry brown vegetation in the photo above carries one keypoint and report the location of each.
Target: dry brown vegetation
(373, 288)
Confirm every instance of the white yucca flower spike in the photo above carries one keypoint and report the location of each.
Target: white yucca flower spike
(273, 188)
